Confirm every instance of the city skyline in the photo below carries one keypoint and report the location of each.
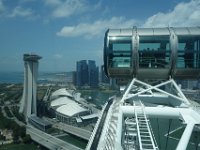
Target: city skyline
(87, 73)
(66, 31)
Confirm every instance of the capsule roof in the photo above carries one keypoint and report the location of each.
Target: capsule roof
(155, 31)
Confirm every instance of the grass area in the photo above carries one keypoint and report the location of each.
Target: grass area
(19, 147)
(74, 141)
(53, 130)
(19, 116)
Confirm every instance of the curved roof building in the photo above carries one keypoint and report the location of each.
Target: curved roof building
(60, 101)
(71, 109)
(67, 109)
(65, 105)
(60, 93)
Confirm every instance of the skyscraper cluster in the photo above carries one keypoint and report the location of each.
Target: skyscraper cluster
(87, 73)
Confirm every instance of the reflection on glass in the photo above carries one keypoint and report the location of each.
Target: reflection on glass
(154, 52)
(120, 52)
(188, 52)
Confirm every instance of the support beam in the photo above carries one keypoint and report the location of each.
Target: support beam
(185, 138)
(127, 90)
(180, 92)
(119, 127)
(156, 87)
(163, 112)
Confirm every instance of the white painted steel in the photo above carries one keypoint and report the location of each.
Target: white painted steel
(95, 129)
(185, 138)
(180, 92)
(157, 89)
(164, 112)
(102, 141)
(127, 91)
(188, 114)
(119, 127)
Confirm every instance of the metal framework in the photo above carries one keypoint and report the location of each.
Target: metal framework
(127, 126)
(149, 57)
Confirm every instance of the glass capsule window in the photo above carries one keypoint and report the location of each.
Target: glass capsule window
(188, 52)
(154, 52)
(120, 52)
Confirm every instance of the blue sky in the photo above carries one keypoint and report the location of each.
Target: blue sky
(64, 31)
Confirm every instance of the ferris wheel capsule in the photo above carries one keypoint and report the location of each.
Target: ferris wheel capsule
(152, 53)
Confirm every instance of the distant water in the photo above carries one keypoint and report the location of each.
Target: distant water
(11, 77)
(43, 77)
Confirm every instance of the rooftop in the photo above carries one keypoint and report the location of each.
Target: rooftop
(61, 101)
(71, 109)
(31, 57)
(61, 92)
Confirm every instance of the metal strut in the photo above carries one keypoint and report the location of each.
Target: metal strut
(145, 136)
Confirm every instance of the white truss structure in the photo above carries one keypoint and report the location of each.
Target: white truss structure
(126, 125)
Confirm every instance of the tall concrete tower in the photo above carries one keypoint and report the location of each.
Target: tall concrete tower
(28, 102)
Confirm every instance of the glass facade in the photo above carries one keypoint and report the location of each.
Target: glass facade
(120, 52)
(87, 73)
(93, 73)
(154, 52)
(188, 52)
(82, 73)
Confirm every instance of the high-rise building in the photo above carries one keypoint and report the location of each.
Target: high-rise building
(87, 73)
(82, 73)
(28, 102)
(74, 77)
(93, 74)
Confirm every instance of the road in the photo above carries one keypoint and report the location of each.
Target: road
(49, 141)
(20, 123)
(82, 133)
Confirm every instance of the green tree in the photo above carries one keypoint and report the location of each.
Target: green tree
(27, 139)
(2, 137)
(22, 131)
(15, 136)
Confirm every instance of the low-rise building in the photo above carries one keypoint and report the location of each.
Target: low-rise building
(68, 110)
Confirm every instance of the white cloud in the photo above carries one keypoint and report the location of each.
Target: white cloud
(58, 56)
(53, 3)
(184, 14)
(26, 1)
(2, 7)
(66, 8)
(21, 12)
(97, 28)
